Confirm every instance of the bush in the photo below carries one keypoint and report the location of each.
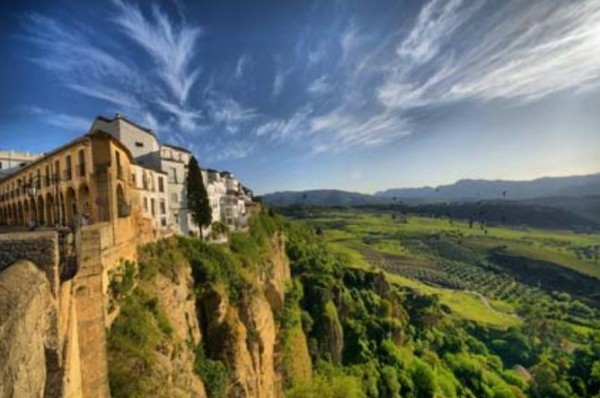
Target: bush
(424, 379)
(214, 373)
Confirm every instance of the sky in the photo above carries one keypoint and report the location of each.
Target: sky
(290, 95)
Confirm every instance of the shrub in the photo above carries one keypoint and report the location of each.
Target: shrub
(214, 373)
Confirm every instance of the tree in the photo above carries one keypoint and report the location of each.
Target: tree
(197, 198)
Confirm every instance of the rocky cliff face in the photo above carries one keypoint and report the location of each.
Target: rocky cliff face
(240, 331)
(246, 334)
(177, 360)
(25, 322)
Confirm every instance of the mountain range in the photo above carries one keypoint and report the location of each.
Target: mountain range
(467, 190)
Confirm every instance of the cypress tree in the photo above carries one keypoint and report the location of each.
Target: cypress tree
(197, 198)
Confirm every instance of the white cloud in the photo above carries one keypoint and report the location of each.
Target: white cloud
(78, 124)
(187, 119)
(229, 114)
(523, 51)
(241, 65)
(172, 46)
(319, 86)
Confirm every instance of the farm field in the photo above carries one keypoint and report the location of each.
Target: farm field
(495, 276)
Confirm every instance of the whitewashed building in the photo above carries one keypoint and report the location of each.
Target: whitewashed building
(226, 195)
(12, 161)
(153, 194)
(174, 161)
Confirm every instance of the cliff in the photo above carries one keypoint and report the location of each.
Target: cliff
(205, 320)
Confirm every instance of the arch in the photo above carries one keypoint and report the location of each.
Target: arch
(62, 209)
(71, 210)
(34, 211)
(50, 209)
(26, 212)
(15, 214)
(41, 210)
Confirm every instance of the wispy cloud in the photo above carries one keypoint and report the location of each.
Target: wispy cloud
(229, 114)
(320, 86)
(523, 51)
(73, 123)
(344, 86)
(241, 65)
(172, 46)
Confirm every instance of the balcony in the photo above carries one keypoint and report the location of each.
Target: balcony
(68, 174)
(81, 170)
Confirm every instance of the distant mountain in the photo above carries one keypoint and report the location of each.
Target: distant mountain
(472, 190)
(322, 197)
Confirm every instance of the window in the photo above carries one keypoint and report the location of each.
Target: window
(119, 168)
(163, 208)
(152, 207)
(81, 165)
(161, 185)
(0, 165)
(173, 175)
(57, 170)
(174, 198)
(68, 168)
(146, 204)
(139, 144)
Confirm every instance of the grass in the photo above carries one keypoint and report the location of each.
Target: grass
(350, 232)
(463, 305)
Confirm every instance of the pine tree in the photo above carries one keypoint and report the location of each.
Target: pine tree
(197, 198)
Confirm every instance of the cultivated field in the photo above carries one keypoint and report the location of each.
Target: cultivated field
(495, 276)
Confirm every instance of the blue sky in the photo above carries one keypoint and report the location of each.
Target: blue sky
(356, 95)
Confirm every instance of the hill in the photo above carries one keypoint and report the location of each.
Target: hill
(323, 197)
(470, 190)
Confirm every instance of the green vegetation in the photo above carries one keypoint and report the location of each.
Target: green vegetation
(419, 307)
(132, 341)
(214, 373)
(387, 307)
(197, 198)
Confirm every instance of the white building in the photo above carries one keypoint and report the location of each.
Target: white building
(11, 161)
(226, 195)
(174, 161)
(153, 193)
(215, 189)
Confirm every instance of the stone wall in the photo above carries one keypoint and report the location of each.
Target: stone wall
(25, 318)
(41, 248)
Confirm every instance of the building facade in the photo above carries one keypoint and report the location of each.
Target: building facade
(85, 180)
(149, 153)
(151, 186)
(12, 161)
(102, 176)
